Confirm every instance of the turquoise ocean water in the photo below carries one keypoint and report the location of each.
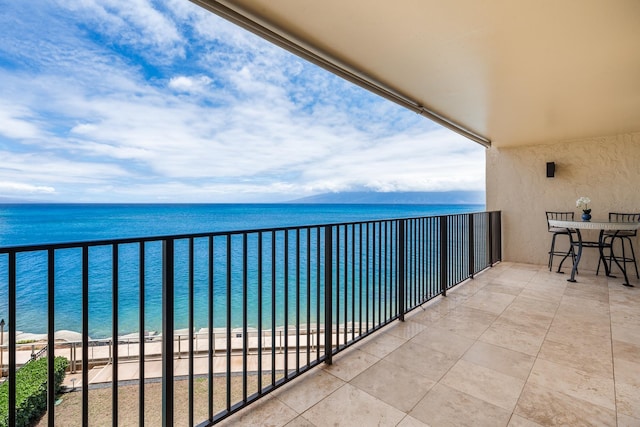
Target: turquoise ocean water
(33, 224)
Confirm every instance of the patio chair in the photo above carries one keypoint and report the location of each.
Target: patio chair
(563, 216)
(626, 239)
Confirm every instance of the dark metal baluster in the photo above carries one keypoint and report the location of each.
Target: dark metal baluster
(353, 281)
(360, 281)
(167, 331)
(401, 266)
(444, 250)
(318, 272)
(142, 337)
(228, 337)
(114, 333)
(308, 296)
(210, 334)
(191, 328)
(373, 275)
(337, 296)
(367, 296)
(346, 283)
(285, 252)
(12, 338)
(380, 273)
(51, 340)
(297, 301)
(328, 297)
(245, 338)
(273, 308)
(85, 335)
(260, 238)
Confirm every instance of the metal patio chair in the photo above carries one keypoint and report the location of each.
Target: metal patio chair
(626, 239)
(553, 252)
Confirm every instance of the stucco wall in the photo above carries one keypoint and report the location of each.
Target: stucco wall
(606, 169)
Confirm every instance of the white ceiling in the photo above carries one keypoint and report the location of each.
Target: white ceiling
(513, 71)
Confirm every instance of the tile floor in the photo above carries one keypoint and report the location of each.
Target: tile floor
(516, 346)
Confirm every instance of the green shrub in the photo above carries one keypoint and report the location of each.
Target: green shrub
(31, 391)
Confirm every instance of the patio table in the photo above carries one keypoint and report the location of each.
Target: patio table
(603, 225)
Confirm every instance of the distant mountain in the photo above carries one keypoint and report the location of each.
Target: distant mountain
(399, 198)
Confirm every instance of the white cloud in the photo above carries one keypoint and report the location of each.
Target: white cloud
(189, 84)
(22, 188)
(17, 122)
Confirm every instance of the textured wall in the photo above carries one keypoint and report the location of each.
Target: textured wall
(606, 169)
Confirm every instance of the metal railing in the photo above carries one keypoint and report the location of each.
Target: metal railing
(254, 309)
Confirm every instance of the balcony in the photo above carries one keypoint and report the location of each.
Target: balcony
(247, 311)
(516, 346)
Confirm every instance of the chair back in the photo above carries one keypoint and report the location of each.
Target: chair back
(625, 217)
(561, 216)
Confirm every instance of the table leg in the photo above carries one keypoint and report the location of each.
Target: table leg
(607, 272)
(622, 268)
(578, 255)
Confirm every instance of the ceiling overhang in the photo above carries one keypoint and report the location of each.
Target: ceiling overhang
(502, 72)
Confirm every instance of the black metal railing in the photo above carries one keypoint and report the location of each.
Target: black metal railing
(254, 309)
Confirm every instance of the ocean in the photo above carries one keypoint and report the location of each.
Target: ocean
(34, 224)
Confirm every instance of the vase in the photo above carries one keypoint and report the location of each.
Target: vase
(586, 216)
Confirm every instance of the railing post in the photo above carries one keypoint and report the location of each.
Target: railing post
(444, 250)
(328, 294)
(490, 237)
(472, 261)
(167, 331)
(499, 235)
(401, 269)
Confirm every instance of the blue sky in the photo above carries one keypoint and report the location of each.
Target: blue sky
(161, 101)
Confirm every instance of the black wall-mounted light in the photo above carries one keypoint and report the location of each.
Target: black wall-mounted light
(551, 169)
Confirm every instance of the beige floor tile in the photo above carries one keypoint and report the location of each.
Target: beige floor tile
(551, 408)
(535, 293)
(300, 421)
(512, 336)
(500, 359)
(518, 421)
(381, 344)
(268, 412)
(534, 306)
(444, 406)
(306, 391)
(628, 399)
(579, 384)
(627, 372)
(581, 355)
(626, 351)
(578, 326)
(628, 335)
(484, 383)
(526, 319)
(394, 385)
(350, 406)
(466, 321)
(579, 305)
(490, 301)
(585, 291)
(626, 317)
(443, 340)
(405, 330)
(350, 363)
(627, 421)
(409, 421)
(503, 289)
(422, 360)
